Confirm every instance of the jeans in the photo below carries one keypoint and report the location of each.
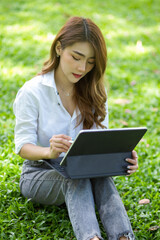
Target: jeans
(46, 186)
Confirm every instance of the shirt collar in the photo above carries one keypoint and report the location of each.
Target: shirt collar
(49, 80)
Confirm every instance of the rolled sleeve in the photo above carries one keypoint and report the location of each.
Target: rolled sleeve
(26, 111)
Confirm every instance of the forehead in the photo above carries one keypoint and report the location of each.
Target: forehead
(84, 48)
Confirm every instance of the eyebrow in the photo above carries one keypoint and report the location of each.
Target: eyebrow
(81, 54)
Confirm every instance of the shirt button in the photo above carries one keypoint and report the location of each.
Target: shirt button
(58, 104)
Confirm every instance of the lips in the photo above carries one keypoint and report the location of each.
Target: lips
(77, 75)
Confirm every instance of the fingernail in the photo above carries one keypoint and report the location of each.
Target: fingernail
(126, 159)
(128, 167)
(128, 171)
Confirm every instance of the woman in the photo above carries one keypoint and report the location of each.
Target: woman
(67, 96)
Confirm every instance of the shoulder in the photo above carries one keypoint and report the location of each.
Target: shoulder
(40, 83)
(33, 84)
(37, 89)
(30, 91)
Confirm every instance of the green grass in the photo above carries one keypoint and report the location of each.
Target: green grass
(132, 33)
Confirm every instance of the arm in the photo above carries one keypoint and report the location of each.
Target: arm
(32, 152)
(58, 143)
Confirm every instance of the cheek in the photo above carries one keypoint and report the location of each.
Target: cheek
(67, 59)
(66, 63)
(89, 68)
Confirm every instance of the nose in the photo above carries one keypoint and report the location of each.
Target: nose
(82, 67)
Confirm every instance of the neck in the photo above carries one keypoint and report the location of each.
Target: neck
(63, 84)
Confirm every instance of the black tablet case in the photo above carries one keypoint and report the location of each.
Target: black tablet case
(99, 153)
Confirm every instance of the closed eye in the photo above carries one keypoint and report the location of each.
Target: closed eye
(75, 58)
(91, 63)
(78, 59)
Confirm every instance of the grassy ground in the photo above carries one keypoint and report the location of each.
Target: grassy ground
(131, 30)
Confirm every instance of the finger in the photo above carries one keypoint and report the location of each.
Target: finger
(129, 172)
(134, 155)
(59, 150)
(61, 142)
(64, 141)
(62, 147)
(132, 167)
(132, 161)
(63, 136)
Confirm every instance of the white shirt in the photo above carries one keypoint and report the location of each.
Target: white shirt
(40, 113)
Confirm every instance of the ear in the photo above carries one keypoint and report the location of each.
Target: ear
(58, 48)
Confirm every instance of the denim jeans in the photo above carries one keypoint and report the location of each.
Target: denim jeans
(46, 186)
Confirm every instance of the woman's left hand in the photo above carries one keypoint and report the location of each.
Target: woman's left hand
(134, 161)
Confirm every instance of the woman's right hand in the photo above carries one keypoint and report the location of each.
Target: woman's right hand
(58, 144)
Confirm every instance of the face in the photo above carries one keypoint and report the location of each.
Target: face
(75, 61)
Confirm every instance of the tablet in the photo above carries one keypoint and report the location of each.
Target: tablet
(104, 141)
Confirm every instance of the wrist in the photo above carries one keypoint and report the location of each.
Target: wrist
(47, 153)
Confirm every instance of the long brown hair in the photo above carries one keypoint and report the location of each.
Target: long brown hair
(90, 95)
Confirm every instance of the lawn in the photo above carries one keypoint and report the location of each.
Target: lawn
(132, 34)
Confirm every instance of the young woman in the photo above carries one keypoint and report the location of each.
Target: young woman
(67, 96)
